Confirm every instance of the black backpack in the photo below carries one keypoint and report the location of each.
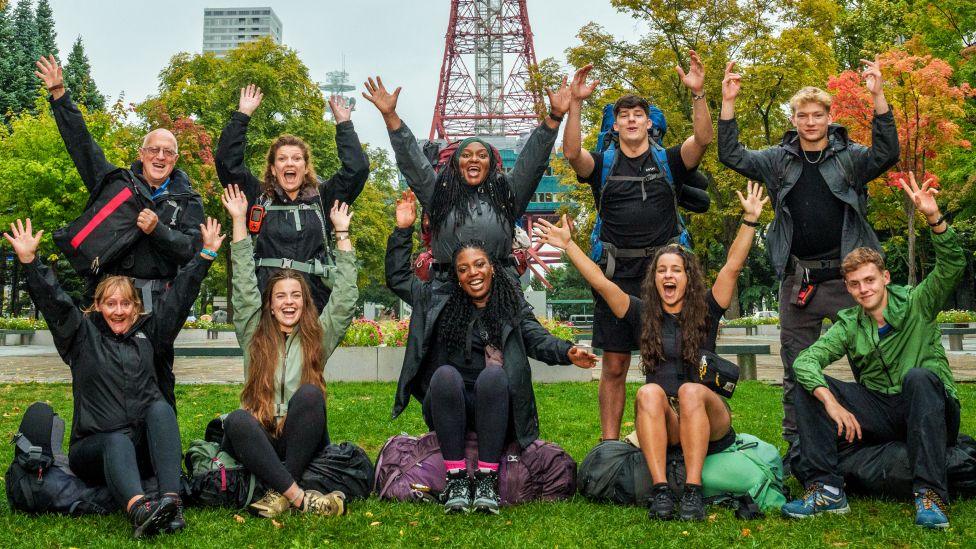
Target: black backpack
(615, 472)
(39, 481)
(344, 467)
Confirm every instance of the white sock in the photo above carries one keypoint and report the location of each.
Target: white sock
(832, 489)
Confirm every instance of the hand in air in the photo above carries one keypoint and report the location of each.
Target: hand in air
(251, 97)
(235, 202)
(872, 76)
(579, 88)
(212, 239)
(752, 202)
(376, 94)
(559, 98)
(23, 240)
(49, 72)
(694, 79)
(341, 111)
(406, 209)
(923, 198)
(731, 84)
(582, 357)
(555, 235)
(340, 214)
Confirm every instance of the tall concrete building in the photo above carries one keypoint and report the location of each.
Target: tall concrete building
(226, 28)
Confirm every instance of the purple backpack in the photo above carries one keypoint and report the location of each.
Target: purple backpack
(412, 469)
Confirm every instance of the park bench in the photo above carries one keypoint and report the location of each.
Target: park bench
(955, 335)
(26, 336)
(208, 351)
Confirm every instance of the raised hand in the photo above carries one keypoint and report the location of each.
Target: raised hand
(251, 97)
(580, 89)
(694, 79)
(147, 220)
(24, 241)
(340, 214)
(341, 111)
(559, 98)
(582, 357)
(555, 235)
(212, 239)
(752, 202)
(235, 202)
(872, 76)
(49, 72)
(923, 198)
(406, 209)
(376, 94)
(731, 83)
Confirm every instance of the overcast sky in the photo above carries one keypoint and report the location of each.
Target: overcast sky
(129, 42)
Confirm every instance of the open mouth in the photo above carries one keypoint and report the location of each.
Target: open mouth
(670, 291)
(288, 313)
(476, 284)
(473, 172)
(158, 165)
(290, 176)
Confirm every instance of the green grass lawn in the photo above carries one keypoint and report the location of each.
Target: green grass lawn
(568, 413)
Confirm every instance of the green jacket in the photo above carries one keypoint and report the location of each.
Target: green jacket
(335, 317)
(881, 364)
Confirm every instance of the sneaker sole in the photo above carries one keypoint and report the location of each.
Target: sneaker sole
(456, 510)
(940, 526)
(841, 511)
(156, 521)
(487, 508)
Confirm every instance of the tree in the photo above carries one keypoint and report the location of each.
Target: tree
(78, 79)
(373, 223)
(8, 63)
(46, 34)
(26, 51)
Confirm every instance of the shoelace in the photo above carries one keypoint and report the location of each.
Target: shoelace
(269, 497)
(455, 487)
(663, 497)
(692, 497)
(812, 491)
(930, 498)
(485, 485)
(320, 504)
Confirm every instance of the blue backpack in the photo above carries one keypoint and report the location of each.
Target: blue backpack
(607, 145)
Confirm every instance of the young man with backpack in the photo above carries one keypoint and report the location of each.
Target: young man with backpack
(636, 189)
(904, 388)
(817, 179)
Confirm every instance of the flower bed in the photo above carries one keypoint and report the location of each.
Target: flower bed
(19, 323)
(393, 333)
(205, 324)
(955, 316)
(750, 321)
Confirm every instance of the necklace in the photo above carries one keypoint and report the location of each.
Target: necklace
(819, 156)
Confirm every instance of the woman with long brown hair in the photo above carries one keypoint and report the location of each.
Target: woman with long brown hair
(676, 319)
(286, 344)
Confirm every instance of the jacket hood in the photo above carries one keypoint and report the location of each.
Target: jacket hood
(179, 182)
(836, 135)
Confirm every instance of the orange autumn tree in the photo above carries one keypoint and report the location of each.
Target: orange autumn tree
(926, 105)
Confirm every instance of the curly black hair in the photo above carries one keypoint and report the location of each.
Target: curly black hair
(454, 194)
(503, 306)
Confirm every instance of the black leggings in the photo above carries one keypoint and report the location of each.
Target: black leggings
(450, 407)
(121, 460)
(304, 434)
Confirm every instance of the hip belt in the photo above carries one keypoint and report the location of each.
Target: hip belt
(613, 252)
(313, 268)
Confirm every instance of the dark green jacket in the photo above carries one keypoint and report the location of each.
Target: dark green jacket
(881, 364)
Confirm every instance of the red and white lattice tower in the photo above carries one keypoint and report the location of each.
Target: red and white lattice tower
(490, 101)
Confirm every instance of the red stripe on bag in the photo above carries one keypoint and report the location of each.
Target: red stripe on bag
(106, 211)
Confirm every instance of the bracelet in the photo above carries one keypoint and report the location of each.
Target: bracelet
(342, 237)
(753, 224)
(697, 97)
(556, 118)
(56, 87)
(209, 253)
(938, 221)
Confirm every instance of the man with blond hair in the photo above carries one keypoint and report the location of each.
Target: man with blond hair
(904, 389)
(817, 180)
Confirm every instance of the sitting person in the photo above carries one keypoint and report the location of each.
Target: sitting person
(281, 424)
(904, 388)
(680, 320)
(122, 427)
(467, 360)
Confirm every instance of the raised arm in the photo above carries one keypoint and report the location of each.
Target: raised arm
(533, 160)
(347, 183)
(88, 157)
(580, 160)
(560, 236)
(748, 163)
(338, 312)
(752, 205)
(693, 148)
(246, 297)
(871, 162)
(232, 145)
(399, 276)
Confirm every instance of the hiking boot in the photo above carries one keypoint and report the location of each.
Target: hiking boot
(816, 500)
(486, 496)
(150, 516)
(270, 505)
(692, 507)
(178, 523)
(457, 493)
(930, 510)
(332, 504)
(660, 505)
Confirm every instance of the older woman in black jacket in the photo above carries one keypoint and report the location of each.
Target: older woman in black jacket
(122, 425)
(467, 360)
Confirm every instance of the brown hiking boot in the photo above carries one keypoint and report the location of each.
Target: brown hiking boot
(270, 506)
(332, 504)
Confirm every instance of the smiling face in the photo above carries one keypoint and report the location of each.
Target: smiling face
(119, 308)
(287, 303)
(811, 120)
(474, 273)
(632, 124)
(671, 281)
(289, 168)
(868, 286)
(473, 162)
(158, 156)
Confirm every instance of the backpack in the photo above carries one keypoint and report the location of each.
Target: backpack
(749, 467)
(106, 229)
(616, 472)
(39, 480)
(412, 469)
(217, 479)
(344, 467)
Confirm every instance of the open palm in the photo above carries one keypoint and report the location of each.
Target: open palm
(23, 240)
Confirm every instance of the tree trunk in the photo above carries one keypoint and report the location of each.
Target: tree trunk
(15, 279)
(734, 310)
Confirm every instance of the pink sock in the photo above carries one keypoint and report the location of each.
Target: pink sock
(455, 465)
(493, 467)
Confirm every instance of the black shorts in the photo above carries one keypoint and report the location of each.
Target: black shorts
(610, 333)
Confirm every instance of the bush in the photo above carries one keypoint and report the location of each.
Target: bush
(205, 324)
(750, 321)
(363, 333)
(562, 330)
(17, 323)
(395, 332)
(955, 315)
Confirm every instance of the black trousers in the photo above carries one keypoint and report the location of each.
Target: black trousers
(451, 410)
(304, 434)
(121, 460)
(922, 415)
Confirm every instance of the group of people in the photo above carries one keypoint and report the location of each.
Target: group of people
(472, 332)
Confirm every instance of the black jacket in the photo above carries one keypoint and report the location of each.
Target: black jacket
(281, 237)
(528, 339)
(113, 376)
(176, 238)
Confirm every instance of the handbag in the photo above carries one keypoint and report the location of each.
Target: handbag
(717, 374)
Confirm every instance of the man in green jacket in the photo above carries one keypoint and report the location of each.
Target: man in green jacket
(904, 389)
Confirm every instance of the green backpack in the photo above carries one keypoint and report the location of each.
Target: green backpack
(217, 479)
(749, 466)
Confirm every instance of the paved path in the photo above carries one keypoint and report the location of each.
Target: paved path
(23, 363)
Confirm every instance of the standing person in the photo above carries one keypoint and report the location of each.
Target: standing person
(638, 206)
(903, 389)
(287, 214)
(817, 179)
(471, 199)
(172, 237)
(281, 424)
(467, 360)
(675, 318)
(122, 429)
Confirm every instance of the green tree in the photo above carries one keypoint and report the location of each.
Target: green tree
(8, 63)
(372, 224)
(46, 35)
(78, 79)
(26, 51)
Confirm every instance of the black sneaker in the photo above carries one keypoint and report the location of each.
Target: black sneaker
(178, 523)
(486, 496)
(660, 505)
(150, 516)
(457, 493)
(692, 507)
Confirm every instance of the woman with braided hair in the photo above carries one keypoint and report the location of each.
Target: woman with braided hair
(467, 359)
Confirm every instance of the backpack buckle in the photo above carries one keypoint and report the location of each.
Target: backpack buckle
(512, 458)
(286, 263)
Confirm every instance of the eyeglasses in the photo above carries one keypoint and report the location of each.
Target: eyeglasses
(169, 154)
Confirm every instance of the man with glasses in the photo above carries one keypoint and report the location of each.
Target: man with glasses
(171, 224)
(817, 179)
